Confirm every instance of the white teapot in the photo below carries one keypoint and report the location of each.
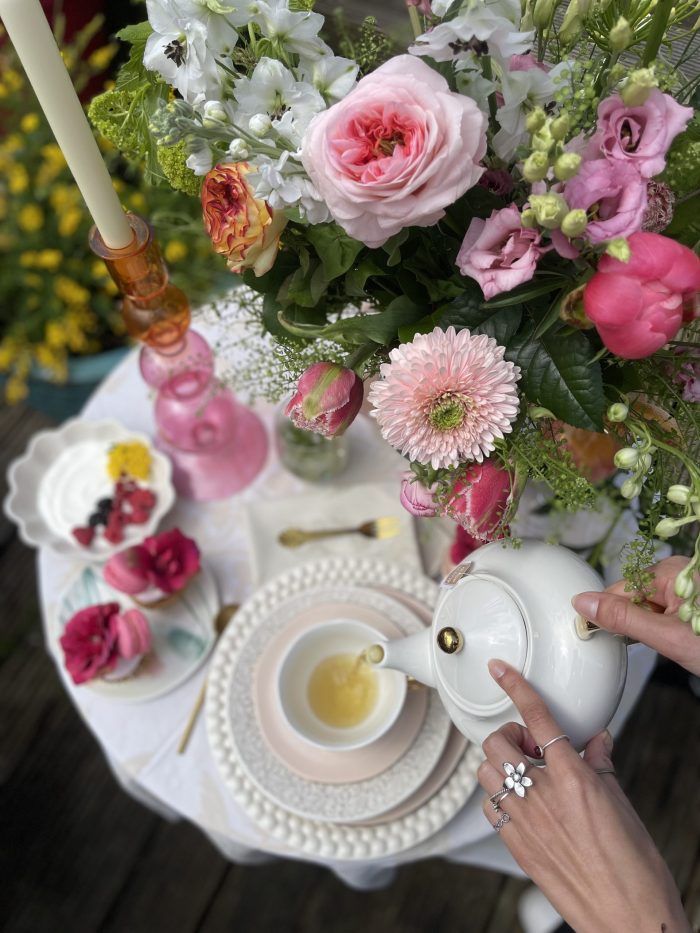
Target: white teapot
(515, 604)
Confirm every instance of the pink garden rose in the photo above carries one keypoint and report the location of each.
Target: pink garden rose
(615, 192)
(480, 499)
(499, 252)
(127, 571)
(396, 151)
(640, 136)
(174, 560)
(417, 498)
(638, 306)
(327, 399)
(90, 642)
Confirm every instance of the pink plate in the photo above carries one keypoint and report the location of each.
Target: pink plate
(304, 759)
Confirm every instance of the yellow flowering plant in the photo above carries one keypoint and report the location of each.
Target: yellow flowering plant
(56, 297)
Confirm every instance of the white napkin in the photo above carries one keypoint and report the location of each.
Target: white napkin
(329, 508)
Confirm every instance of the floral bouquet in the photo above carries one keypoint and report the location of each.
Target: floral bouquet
(490, 236)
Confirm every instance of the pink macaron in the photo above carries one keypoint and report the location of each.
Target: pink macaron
(133, 634)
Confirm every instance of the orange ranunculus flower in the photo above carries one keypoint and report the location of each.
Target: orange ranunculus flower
(591, 452)
(241, 227)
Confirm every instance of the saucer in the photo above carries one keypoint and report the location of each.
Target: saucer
(316, 764)
(346, 803)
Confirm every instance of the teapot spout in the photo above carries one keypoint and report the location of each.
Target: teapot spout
(411, 655)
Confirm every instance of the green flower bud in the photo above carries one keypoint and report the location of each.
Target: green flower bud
(695, 622)
(550, 209)
(535, 120)
(686, 610)
(666, 528)
(618, 412)
(535, 167)
(542, 13)
(630, 489)
(684, 586)
(567, 165)
(260, 125)
(528, 218)
(645, 462)
(537, 411)
(560, 127)
(638, 86)
(542, 140)
(679, 494)
(626, 459)
(574, 223)
(621, 35)
(619, 249)
(572, 24)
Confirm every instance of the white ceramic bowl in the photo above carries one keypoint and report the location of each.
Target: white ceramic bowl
(56, 482)
(340, 636)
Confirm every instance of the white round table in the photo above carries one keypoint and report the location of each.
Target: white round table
(140, 741)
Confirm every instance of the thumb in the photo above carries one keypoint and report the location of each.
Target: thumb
(598, 751)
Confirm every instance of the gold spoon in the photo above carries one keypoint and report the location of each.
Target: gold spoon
(223, 617)
(386, 527)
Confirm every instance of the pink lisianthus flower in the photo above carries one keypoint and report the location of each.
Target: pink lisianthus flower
(525, 62)
(480, 500)
(638, 306)
(327, 399)
(499, 253)
(396, 151)
(90, 642)
(417, 498)
(174, 560)
(640, 136)
(618, 192)
(497, 181)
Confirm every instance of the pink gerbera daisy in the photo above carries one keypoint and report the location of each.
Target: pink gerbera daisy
(445, 397)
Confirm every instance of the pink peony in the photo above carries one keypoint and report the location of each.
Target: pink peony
(445, 397)
(327, 399)
(174, 560)
(90, 642)
(396, 151)
(417, 498)
(499, 252)
(133, 634)
(640, 136)
(638, 306)
(127, 571)
(613, 194)
(480, 500)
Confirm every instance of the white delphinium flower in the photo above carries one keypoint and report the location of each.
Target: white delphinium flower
(332, 76)
(283, 183)
(201, 160)
(489, 28)
(296, 32)
(522, 92)
(472, 83)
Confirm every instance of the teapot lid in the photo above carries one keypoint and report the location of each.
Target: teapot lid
(489, 624)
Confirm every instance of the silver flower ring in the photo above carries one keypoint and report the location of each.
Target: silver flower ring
(516, 779)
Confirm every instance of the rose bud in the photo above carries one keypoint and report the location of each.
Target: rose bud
(127, 571)
(327, 399)
(481, 499)
(417, 498)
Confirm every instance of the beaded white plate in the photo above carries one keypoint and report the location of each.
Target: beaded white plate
(354, 802)
(313, 837)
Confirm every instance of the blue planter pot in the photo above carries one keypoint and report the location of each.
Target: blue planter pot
(85, 373)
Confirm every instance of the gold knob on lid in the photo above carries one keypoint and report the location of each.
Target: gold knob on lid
(450, 640)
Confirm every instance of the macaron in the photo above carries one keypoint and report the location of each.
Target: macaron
(133, 634)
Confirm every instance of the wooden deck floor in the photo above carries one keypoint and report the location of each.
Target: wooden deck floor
(77, 855)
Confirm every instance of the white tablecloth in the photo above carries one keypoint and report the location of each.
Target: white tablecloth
(140, 741)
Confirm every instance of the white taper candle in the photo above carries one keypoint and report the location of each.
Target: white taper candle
(36, 47)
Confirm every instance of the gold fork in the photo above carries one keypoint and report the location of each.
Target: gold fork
(387, 527)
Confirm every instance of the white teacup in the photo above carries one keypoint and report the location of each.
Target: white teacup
(299, 663)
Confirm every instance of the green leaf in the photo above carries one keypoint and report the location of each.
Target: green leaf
(685, 226)
(469, 311)
(138, 32)
(424, 326)
(393, 245)
(525, 293)
(356, 279)
(559, 374)
(382, 328)
(335, 248)
(549, 318)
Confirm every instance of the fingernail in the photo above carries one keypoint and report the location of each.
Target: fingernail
(608, 741)
(497, 668)
(586, 604)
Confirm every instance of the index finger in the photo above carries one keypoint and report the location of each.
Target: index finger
(662, 590)
(534, 711)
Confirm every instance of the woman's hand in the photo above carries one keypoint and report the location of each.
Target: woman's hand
(662, 629)
(574, 832)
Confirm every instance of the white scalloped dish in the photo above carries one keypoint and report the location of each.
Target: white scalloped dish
(55, 484)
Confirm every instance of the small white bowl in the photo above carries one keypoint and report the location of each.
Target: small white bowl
(54, 486)
(342, 636)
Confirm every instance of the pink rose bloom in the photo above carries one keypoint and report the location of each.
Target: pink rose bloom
(638, 306)
(174, 560)
(619, 193)
(481, 499)
(396, 151)
(499, 252)
(327, 399)
(133, 634)
(640, 136)
(90, 642)
(127, 571)
(417, 498)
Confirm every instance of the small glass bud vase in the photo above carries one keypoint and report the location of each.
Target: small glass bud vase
(309, 456)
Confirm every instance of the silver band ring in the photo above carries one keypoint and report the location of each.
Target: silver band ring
(501, 822)
(516, 779)
(539, 749)
(498, 797)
